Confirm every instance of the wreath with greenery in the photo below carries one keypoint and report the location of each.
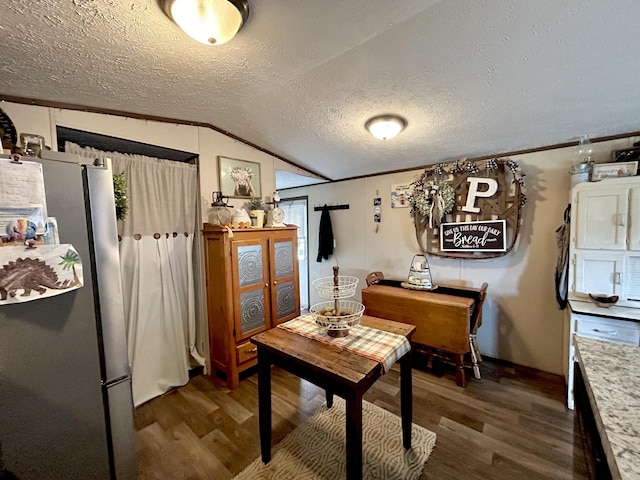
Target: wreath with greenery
(120, 194)
(432, 199)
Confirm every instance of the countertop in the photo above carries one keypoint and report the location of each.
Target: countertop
(586, 306)
(612, 375)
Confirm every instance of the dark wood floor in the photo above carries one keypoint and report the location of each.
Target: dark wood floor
(512, 424)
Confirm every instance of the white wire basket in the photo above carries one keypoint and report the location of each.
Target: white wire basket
(345, 288)
(348, 315)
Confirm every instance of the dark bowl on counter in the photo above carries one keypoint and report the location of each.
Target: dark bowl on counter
(604, 301)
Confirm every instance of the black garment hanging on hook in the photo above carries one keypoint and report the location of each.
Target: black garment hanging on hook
(562, 266)
(325, 238)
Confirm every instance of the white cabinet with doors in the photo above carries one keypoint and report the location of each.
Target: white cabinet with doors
(605, 240)
(604, 258)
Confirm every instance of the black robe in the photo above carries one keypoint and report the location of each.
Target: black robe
(325, 238)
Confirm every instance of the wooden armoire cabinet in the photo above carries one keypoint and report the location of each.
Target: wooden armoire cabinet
(252, 286)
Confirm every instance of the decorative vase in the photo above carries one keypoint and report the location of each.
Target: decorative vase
(257, 218)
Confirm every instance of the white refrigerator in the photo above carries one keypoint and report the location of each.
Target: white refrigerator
(66, 409)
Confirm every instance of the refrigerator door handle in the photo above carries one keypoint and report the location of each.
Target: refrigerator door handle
(116, 381)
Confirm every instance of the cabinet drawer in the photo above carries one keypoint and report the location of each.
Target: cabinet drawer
(608, 329)
(246, 351)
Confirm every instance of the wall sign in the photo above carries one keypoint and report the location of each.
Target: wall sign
(449, 198)
(483, 236)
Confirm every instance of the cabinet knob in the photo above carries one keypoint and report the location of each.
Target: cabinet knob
(275, 282)
(621, 219)
(266, 285)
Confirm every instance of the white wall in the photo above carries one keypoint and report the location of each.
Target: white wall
(522, 322)
(207, 143)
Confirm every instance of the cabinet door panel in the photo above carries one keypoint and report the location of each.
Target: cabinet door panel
(602, 218)
(598, 272)
(250, 265)
(250, 277)
(284, 258)
(285, 296)
(252, 311)
(285, 299)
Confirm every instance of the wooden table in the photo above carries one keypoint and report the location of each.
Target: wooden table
(442, 320)
(342, 372)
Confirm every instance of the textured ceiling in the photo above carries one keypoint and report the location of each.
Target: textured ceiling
(472, 77)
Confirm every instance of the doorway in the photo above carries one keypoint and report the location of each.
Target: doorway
(296, 213)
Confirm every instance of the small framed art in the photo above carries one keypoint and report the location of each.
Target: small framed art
(400, 195)
(239, 178)
(611, 170)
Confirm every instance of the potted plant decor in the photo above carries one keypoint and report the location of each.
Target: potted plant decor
(256, 212)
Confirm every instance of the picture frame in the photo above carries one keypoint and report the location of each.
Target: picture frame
(626, 154)
(239, 178)
(400, 193)
(613, 170)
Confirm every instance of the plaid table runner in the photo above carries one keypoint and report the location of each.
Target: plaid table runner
(383, 347)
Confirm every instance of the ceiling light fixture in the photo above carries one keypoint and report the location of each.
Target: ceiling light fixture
(212, 22)
(385, 127)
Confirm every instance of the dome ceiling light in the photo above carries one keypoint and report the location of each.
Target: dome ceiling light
(385, 127)
(212, 22)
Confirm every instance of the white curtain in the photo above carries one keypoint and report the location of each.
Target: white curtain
(156, 248)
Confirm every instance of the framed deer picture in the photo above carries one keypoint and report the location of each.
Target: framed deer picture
(239, 178)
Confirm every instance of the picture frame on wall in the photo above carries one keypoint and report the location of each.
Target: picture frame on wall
(612, 170)
(400, 193)
(239, 178)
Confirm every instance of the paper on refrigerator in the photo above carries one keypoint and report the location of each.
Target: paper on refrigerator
(23, 207)
(34, 273)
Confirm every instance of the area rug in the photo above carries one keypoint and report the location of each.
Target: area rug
(316, 449)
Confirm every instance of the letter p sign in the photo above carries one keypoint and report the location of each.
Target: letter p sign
(474, 182)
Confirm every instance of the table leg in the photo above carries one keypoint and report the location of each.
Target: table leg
(264, 404)
(460, 378)
(406, 399)
(354, 437)
(329, 397)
